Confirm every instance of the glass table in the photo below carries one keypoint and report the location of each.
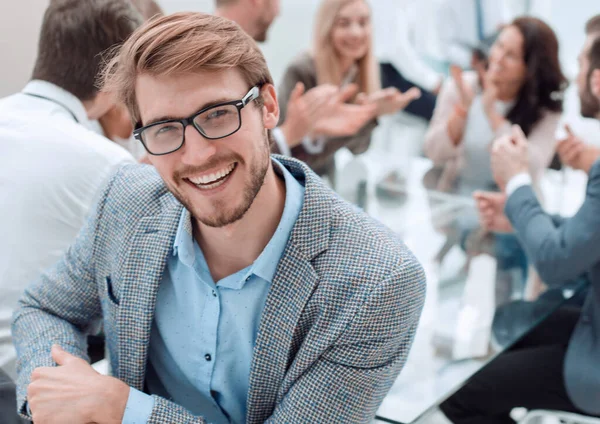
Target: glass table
(479, 300)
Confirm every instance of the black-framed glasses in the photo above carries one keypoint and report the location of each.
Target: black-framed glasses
(213, 122)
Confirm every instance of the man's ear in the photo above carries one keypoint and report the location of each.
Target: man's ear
(99, 106)
(595, 83)
(270, 106)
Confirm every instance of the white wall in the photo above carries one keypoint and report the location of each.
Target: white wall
(290, 34)
(19, 28)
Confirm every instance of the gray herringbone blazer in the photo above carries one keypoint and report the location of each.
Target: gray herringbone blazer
(335, 332)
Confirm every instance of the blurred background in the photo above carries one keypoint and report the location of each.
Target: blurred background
(20, 22)
(292, 31)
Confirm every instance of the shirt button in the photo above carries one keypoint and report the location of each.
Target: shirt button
(248, 278)
(214, 293)
(207, 357)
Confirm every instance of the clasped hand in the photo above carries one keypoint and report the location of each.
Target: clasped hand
(73, 392)
(510, 156)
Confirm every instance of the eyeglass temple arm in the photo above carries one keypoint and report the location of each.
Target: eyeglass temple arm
(252, 94)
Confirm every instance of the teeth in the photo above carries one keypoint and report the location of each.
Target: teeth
(211, 178)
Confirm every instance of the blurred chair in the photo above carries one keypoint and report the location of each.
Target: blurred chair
(556, 417)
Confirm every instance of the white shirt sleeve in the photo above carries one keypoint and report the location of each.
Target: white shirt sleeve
(403, 55)
(517, 182)
(284, 149)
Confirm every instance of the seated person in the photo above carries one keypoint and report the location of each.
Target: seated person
(306, 107)
(556, 366)
(519, 87)
(232, 286)
(52, 164)
(343, 54)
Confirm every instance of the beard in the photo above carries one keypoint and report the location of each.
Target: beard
(590, 105)
(226, 212)
(262, 30)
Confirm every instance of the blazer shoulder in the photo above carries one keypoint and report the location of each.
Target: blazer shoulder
(135, 187)
(375, 248)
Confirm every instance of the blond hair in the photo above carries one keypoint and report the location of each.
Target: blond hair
(326, 58)
(182, 43)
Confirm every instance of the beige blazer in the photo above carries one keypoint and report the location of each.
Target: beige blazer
(440, 149)
(302, 69)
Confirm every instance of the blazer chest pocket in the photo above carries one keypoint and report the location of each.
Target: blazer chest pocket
(110, 291)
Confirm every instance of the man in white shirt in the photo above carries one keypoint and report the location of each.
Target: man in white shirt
(401, 65)
(52, 164)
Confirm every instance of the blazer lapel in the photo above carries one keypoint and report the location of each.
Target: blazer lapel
(144, 267)
(291, 289)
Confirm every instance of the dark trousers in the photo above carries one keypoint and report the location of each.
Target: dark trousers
(529, 375)
(423, 106)
(8, 401)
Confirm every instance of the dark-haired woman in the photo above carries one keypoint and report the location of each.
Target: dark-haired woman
(521, 85)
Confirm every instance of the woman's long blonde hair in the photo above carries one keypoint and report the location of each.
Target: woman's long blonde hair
(326, 58)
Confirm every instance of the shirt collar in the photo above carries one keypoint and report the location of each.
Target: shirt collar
(265, 265)
(60, 96)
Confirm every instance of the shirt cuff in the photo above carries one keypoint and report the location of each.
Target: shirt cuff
(139, 407)
(314, 147)
(284, 149)
(517, 182)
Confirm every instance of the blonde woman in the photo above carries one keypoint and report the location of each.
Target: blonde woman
(342, 55)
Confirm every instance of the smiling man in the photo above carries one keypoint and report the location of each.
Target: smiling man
(233, 286)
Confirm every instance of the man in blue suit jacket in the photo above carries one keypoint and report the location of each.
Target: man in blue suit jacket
(557, 365)
(232, 286)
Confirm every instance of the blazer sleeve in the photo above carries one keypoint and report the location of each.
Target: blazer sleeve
(560, 249)
(438, 144)
(349, 382)
(60, 307)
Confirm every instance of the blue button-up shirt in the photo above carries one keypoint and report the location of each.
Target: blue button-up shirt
(203, 333)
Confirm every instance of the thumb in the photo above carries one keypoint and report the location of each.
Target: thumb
(518, 136)
(297, 92)
(569, 130)
(347, 92)
(61, 356)
(412, 94)
(361, 99)
(479, 195)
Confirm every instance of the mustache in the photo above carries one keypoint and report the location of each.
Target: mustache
(212, 163)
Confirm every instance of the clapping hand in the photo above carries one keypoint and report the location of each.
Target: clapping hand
(574, 152)
(491, 211)
(465, 92)
(390, 100)
(304, 108)
(510, 156)
(342, 119)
